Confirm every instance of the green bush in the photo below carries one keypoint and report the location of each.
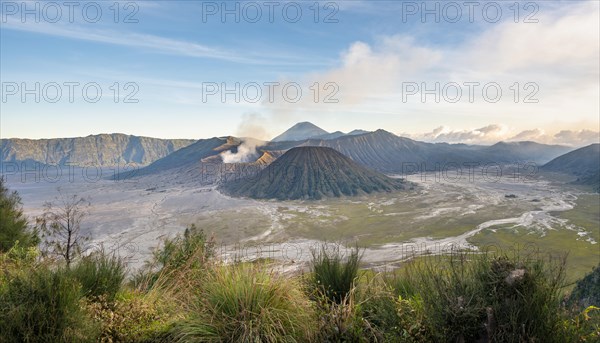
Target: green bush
(342, 322)
(522, 299)
(179, 255)
(587, 290)
(583, 326)
(413, 322)
(331, 275)
(471, 297)
(246, 303)
(379, 309)
(13, 224)
(132, 317)
(383, 317)
(42, 305)
(387, 316)
(100, 275)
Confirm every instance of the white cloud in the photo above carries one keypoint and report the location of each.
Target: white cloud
(574, 138)
(485, 135)
(494, 133)
(560, 55)
(150, 42)
(565, 39)
(577, 138)
(529, 135)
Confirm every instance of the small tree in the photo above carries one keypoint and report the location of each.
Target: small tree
(13, 224)
(60, 225)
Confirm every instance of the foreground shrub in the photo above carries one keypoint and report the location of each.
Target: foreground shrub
(479, 297)
(341, 321)
(522, 299)
(413, 324)
(42, 305)
(100, 275)
(378, 307)
(13, 224)
(180, 255)
(18, 259)
(587, 290)
(583, 326)
(132, 317)
(391, 318)
(333, 275)
(246, 303)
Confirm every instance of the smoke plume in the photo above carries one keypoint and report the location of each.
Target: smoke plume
(253, 135)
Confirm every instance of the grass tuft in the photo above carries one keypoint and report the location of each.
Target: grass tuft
(246, 303)
(42, 305)
(100, 275)
(333, 275)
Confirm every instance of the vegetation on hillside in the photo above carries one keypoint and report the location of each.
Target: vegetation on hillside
(587, 290)
(186, 294)
(461, 298)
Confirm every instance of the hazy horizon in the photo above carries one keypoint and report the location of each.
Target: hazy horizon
(577, 145)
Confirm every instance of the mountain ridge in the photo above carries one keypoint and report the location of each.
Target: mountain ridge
(98, 150)
(378, 150)
(307, 130)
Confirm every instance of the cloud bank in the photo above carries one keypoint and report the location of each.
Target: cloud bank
(494, 133)
(553, 64)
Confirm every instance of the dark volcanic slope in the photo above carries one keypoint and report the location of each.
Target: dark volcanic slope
(190, 155)
(584, 163)
(312, 173)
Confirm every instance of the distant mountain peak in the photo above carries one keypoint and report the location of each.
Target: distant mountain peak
(357, 132)
(300, 131)
(306, 124)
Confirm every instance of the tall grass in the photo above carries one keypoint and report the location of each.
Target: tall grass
(523, 299)
(332, 274)
(183, 254)
(378, 307)
(192, 298)
(134, 317)
(42, 305)
(100, 275)
(471, 297)
(342, 322)
(246, 303)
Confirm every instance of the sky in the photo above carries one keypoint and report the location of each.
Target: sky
(440, 71)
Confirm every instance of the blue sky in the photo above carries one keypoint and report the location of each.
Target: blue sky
(371, 54)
